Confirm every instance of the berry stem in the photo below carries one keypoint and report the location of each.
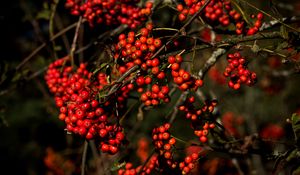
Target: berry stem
(286, 25)
(182, 29)
(37, 50)
(83, 160)
(73, 47)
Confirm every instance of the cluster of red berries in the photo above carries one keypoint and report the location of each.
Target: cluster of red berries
(76, 97)
(189, 163)
(237, 71)
(198, 116)
(109, 12)
(130, 170)
(257, 24)
(165, 146)
(137, 50)
(219, 12)
(163, 143)
(182, 78)
(157, 94)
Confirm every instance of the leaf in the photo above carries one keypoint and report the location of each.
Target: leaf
(282, 46)
(296, 171)
(45, 14)
(58, 48)
(292, 155)
(284, 32)
(296, 126)
(117, 166)
(255, 48)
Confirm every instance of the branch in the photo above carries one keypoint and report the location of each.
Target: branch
(269, 24)
(51, 25)
(37, 50)
(182, 29)
(211, 61)
(73, 47)
(267, 14)
(175, 110)
(83, 160)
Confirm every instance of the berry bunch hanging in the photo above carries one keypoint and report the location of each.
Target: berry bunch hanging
(189, 163)
(138, 49)
(238, 72)
(109, 12)
(219, 12)
(182, 78)
(76, 96)
(201, 118)
(164, 143)
(147, 169)
(165, 147)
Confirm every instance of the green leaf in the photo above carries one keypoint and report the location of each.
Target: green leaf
(45, 14)
(282, 46)
(296, 171)
(292, 155)
(255, 48)
(117, 166)
(103, 65)
(284, 32)
(58, 48)
(296, 126)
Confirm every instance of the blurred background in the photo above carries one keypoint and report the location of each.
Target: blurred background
(33, 140)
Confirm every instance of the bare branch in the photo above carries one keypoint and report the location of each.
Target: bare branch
(211, 61)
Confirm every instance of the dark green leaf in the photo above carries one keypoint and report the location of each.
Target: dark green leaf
(296, 126)
(284, 32)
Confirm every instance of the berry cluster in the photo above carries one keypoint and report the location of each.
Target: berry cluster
(182, 78)
(219, 12)
(198, 117)
(110, 12)
(76, 97)
(130, 170)
(156, 95)
(137, 50)
(237, 71)
(189, 163)
(165, 147)
(163, 143)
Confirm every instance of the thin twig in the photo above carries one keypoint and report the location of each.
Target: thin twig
(73, 47)
(269, 24)
(37, 50)
(286, 25)
(99, 165)
(175, 110)
(182, 29)
(51, 25)
(83, 160)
